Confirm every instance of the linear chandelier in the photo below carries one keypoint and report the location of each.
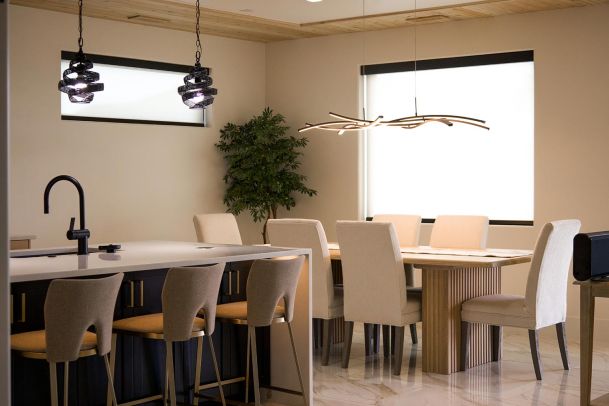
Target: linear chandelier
(345, 123)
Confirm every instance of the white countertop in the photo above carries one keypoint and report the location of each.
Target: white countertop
(138, 256)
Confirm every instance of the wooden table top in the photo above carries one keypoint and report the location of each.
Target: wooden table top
(452, 261)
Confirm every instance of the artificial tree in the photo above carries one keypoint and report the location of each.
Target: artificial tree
(263, 163)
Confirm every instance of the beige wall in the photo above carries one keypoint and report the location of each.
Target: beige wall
(307, 78)
(141, 181)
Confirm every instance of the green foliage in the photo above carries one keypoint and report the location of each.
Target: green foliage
(262, 166)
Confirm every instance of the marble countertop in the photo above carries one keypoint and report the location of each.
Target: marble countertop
(137, 256)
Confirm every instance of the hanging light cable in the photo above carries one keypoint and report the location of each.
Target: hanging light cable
(79, 81)
(346, 123)
(197, 92)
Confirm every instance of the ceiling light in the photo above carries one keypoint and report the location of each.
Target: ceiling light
(314, 1)
(79, 81)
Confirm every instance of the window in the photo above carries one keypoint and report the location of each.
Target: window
(435, 169)
(135, 91)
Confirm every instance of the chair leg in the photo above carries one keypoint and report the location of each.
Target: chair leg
(413, 334)
(215, 361)
(53, 375)
(562, 343)
(367, 339)
(386, 341)
(66, 375)
(376, 338)
(110, 380)
(111, 376)
(247, 368)
(327, 338)
(347, 343)
(302, 389)
(166, 390)
(170, 376)
(392, 338)
(534, 342)
(399, 350)
(252, 332)
(464, 345)
(199, 360)
(497, 342)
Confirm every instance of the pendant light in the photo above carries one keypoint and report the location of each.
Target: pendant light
(345, 123)
(197, 92)
(79, 81)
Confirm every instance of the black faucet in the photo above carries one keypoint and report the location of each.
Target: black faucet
(83, 234)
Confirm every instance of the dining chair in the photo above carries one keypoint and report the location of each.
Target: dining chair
(327, 298)
(71, 307)
(271, 298)
(374, 283)
(186, 293)
(459, 232)
(217, 228)
(544, 303)
(407, 228)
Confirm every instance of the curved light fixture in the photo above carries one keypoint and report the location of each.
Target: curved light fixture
(79, 81)
(197, 92)
(345, 123)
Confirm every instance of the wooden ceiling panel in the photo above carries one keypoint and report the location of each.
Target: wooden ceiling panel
(180, 16)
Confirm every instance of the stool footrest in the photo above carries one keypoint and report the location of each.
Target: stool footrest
(142, 400)
(224, 382)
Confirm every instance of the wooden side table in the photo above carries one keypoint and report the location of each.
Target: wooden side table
(588, 292)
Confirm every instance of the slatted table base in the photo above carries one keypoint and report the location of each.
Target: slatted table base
(445, 289)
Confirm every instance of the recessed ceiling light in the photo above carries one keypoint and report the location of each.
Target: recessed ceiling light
(314, 1)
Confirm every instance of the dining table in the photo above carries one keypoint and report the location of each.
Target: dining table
(449, 278)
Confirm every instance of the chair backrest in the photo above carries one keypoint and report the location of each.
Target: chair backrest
(217, 228)
(546, 294)
(300, 233)
(269, 281)
(187, 291)
(459, 232)
(71, 307)
(373, 272)
(407, 227)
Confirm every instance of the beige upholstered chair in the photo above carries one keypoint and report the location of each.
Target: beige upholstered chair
(459, 232)
(545, 301)
(327, 299)
(70, 308)
(271, 295)
(217, 228)
(186, 293)
(374, 281)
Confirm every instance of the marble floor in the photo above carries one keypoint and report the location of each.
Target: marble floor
(368, 380)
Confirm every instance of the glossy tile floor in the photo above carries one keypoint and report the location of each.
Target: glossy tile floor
(368, 381)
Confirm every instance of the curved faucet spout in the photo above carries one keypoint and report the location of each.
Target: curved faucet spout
(81, 195)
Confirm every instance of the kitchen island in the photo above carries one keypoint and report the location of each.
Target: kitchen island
(140, 362)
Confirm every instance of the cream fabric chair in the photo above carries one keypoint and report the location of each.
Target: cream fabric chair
(217, 228)
(327, 299)
(70, 308)
(407, 228)
(545, 301)
(374, 282)
(459, 232)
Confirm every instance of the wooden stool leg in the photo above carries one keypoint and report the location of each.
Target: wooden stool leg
(53, 375)
(66, 375)
(112, 366)
(247, 367)
(170, 376)
(562, 343)
(347, 344)
(110, 380)
(195, 398)
(218, 377)
(252, 332)
(534, 342)
(327, 339)
(302, 389)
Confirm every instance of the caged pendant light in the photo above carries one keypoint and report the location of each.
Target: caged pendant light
(79, 81)
(197, 92)
(344, 123)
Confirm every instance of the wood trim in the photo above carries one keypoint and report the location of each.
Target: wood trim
(179, 16)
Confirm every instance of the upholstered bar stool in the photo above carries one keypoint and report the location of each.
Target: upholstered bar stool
(70, 308)
(375, 284)
(327, 298)
(217, 228)
(186, 292)
(544, 303)
(407, 228)
(270, 282)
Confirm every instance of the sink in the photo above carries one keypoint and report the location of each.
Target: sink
(49, 252)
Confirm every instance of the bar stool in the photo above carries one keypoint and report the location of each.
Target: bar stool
(186, 292)
(70, 308)
(269, 281)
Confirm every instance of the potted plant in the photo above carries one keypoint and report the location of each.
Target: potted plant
(263, 163)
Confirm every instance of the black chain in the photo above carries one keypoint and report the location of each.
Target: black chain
(80, 40)
(197, 29)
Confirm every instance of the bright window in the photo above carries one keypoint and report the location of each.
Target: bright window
(436, 169)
